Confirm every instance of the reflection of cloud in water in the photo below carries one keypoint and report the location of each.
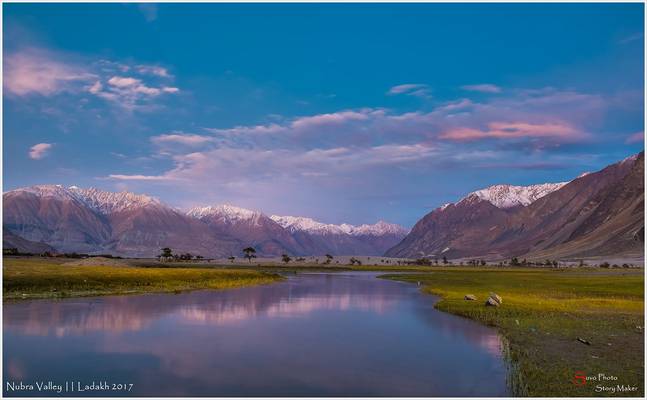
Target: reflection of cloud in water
(311, 335)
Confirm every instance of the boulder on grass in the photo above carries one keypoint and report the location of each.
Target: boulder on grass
(470, 297)
(491, 302)
(494, 300)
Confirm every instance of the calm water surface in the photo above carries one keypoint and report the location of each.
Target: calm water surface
(312, 335)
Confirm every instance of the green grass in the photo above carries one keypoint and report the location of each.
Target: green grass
(543, 313)
(33, 278)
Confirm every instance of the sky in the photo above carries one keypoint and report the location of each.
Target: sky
(341, 112)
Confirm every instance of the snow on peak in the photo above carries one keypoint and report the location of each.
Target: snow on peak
(111, 202)
(225, 212)
(100, 201)
(507, 196)
(309, 225)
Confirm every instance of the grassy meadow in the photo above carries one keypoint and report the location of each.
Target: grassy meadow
(544, 312)
(29, 278)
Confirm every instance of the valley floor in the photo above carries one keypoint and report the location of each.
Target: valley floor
(31, 278)
(543, 314)
(557, 323)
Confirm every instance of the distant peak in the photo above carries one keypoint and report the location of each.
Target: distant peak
(311, 226)
(225, 211)
(507, 196)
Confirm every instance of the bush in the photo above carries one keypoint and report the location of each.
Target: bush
(605, 265)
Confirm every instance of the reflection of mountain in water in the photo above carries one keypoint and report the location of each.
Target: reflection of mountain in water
(133, 313)
(314, 334)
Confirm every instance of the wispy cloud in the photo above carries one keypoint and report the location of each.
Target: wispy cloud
(516, 130)
(182, 138)
(37, 71)
(637, 137)
(631, 38)
(483, 87)
(40, 150)
(411, 89)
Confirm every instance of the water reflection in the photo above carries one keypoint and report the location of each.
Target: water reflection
(318, 334)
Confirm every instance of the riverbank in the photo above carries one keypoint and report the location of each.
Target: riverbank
(31, 278)
(544, 314)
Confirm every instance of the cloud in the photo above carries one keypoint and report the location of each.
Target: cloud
(128, 92)
(411, 89)
(31, 71)
(515, 130)
(182, 138)
(40, 150)
(631, 38)
(637, 137)
(310, 155)
(35, 71)
(153, 70)
(483, 87)
(138, 177)
(149, 11)
(121, 82)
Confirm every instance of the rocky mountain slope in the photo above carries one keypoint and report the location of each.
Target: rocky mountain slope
(596, 214)
(72, 219)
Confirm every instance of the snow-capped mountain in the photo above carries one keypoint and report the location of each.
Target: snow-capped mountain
(248, 227)
(226, 211)
(343, 239)
(110, 202)
(600, 213)
(71, 219)
(123, 223)
(294, 224)
(100, 201)
(508, 196)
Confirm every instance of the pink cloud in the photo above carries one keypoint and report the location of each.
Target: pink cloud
(637, 137)
(39, 151)
(123, 82)
(182, 138)
(511, 130)
(483, 87)
(139, 177)
(37, 71)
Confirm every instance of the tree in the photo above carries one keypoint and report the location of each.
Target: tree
(250, 253)
(445, 260)
(231, 259)
(286, 258)
(166, 252)
(328, 258)
(483, 262)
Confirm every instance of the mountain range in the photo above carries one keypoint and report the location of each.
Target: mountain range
(70, 219)
(597, 214)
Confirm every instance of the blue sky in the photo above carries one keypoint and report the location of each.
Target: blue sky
(341, 112)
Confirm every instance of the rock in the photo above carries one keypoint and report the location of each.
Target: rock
(491, 302)
(496, 298)
(470, 297)
(581, 340)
